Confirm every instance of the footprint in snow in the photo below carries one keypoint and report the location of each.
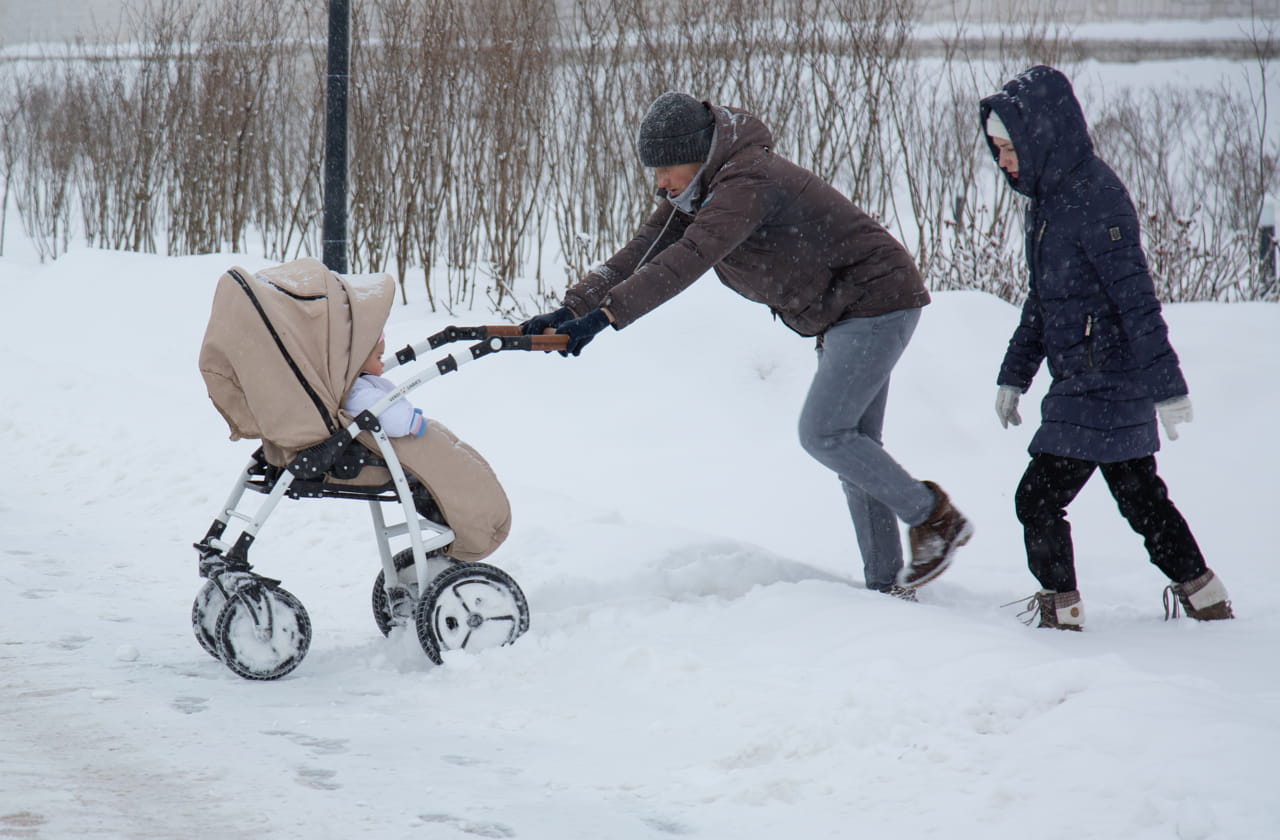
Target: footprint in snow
(323, 746)
(190, 705)
(667, 826)
(21, 824)
(478, 828)
(314, 777)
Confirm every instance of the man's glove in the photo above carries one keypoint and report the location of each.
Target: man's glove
(548, 321)
(1007, 406)
(582, 330)
(1172, 412)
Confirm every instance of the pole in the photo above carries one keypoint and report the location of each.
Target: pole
(335, 137)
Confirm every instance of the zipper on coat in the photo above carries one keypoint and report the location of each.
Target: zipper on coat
(1034, 256)
(1088, 339)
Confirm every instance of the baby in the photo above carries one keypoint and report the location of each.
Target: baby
(400, 418)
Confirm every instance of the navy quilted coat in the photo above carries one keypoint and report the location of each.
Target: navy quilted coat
(1092, 312)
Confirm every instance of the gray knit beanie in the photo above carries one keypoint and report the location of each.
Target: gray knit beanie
(677, 129)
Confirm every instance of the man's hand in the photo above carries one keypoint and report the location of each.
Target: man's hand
(582, 330)
(1007, 406)
(548, 321)
(1172, 412)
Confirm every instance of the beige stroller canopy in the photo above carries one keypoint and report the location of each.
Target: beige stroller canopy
(284, 345)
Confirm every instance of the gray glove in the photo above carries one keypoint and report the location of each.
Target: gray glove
(1172, 412)
(1007, 406)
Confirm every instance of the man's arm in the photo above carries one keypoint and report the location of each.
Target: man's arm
(663, 227)
(733, 211)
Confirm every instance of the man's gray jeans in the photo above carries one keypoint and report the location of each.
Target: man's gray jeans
(841, 426)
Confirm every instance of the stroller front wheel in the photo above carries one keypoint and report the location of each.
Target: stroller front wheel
(470, 606)
(204, 617)
(263, 632)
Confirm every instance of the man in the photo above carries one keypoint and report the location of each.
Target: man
(1092, 312)
(777, 234)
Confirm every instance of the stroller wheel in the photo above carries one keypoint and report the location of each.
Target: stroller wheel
(204, 616)
(262, 632)
(388, 616)
(470, 606)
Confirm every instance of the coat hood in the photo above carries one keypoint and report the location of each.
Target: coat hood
(736, 132)
(1046, 126)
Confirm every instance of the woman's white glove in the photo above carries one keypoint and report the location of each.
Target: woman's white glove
(1007, 406)
(1172, 412)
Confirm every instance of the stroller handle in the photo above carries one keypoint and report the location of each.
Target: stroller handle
(492, 338)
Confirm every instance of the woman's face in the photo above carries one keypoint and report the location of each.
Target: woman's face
(1008, 159)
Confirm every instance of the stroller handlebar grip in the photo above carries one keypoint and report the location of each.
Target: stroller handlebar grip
(548, 341)
(496, 343)
(513, 330)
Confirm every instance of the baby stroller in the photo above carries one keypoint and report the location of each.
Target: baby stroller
(282, 348)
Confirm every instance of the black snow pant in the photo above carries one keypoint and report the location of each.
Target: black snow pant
(1052, 481)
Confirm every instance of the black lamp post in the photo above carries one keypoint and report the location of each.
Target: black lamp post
(334, 231)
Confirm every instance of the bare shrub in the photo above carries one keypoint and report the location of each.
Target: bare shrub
(46, 127)
(967, 225)
(127, 116)
(509, 156)
(599, 191)
(483, 131)
(1198, 220)
(227, 124)
(11, 107)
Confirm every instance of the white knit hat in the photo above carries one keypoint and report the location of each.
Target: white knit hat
(995, 126)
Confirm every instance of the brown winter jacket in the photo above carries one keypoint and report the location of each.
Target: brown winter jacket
(774, 232)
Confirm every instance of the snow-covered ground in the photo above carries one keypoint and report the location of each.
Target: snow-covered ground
(702, 661)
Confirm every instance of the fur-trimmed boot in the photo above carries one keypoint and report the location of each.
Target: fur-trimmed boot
(1204, 598)
(934, 541)
(1058, 610)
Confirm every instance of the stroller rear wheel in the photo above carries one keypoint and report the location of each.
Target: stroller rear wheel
(262, 632)
(387, 615)
(470, 606)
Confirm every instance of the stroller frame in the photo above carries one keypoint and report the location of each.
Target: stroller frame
(280, 626)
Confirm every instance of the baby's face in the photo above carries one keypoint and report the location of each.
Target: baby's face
(373, 364)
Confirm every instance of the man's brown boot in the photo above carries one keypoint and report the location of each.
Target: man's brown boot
(934, 541)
